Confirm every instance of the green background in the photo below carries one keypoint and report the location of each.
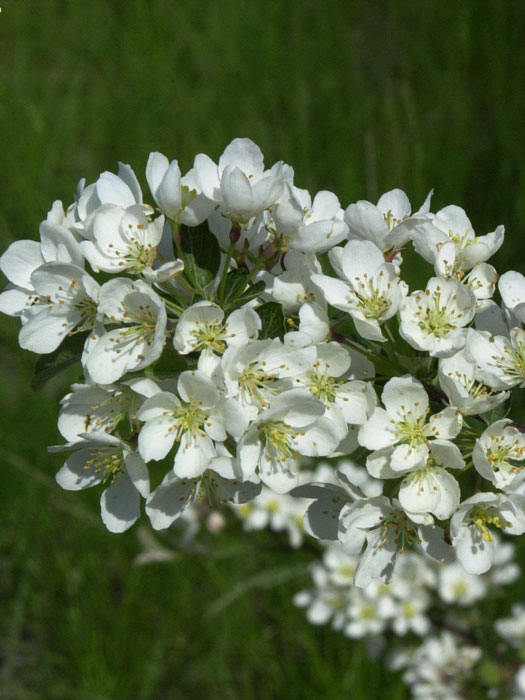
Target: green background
(359, 97)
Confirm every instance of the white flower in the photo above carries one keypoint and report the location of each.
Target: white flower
(176, 196)
(370, 290)
(452, 224)
(497, 454)
(141, 312)
(103, 458)
(202, 327)
(200, 417)
(458, 379)
(470, 527)
(90, 407)
(22, 258)
(64, 301)
(399, 434)
(259, 370)
(455, 585)
(500, 360)
(314, 327)
(222, 482)
(305, 225)
(387, 531)
(434, 320)
(387, 224)
(123, 239)
(293, 286)
(288, 428)
(239, 183)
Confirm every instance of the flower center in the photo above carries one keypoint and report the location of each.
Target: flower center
(106, 461)
(277, 437)
(483, 517)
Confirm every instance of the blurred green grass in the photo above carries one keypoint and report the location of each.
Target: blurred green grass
(359, 97)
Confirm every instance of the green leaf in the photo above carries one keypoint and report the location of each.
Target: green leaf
(201, 254)
(48, 366)
(272, 320)
(236, 281)
(254, 291)
(497, 413)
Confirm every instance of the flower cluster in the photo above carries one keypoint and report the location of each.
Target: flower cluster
(229, 324)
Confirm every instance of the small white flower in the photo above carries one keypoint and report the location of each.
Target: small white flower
(305, 225)
(288, 428)
(105, 459)
(497, 454)
(434, 320)
(470, 527)
(239, 183)
(512, 629)
(500, 360)
(370, 289)
(202, 327)
(451, 224)
(200, 417)
(455, 585)
(176, 196)
(399, 434)
(387, 224)
(64, 301)
(141, 312)
(123, 239)
(458, 379)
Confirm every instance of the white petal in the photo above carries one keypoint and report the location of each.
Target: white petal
(120, 505)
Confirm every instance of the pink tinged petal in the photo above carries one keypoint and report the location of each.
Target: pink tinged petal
(237, 198)
(75, 476)
(404, 395)
(120, 505)
(156, 437)
(20, 260)
(406, 457)
(44, 332)
(137, 472)
(195, 386)
(193, 456)
(360, 260)
(112, 190)
(169, 500)
(445, 425)
(379, 431)
(244, 154)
